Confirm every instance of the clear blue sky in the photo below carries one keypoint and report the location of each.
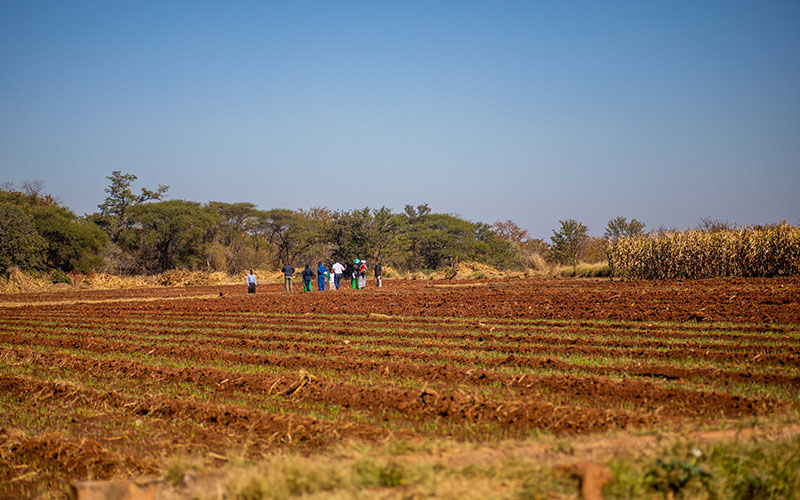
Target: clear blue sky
(534, 111)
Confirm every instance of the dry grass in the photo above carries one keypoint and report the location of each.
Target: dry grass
(765, 252)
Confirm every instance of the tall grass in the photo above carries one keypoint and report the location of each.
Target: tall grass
(748, 252)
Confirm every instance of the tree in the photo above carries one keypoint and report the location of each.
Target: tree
(61, 239)
(508, 230)
(363, 233)
(385, 227)
(114, 209)
(72, 243)
(518, 249)
(234, 220)
(351, 234)
(711, 225)
(412, 222)
(20, 243)
(569, 242)
(493, 249)
(169, 234)
(441, 237)
(285, 231)
(620, 227)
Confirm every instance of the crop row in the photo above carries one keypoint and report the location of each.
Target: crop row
(345, 361)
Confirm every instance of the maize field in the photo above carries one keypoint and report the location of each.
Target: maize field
(763, 252)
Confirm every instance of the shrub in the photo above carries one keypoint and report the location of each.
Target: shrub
(59, 276)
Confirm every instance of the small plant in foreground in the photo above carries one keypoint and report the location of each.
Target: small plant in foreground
(677, 476)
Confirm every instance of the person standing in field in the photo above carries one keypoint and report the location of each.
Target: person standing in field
(338, 270)
(331, 280)
(353, 271)
(378, 272)
(308, 275)
(362, 274)
(288, 273)
(322, 273)
(251, 282)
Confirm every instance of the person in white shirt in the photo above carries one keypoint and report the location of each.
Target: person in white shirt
(338, 269)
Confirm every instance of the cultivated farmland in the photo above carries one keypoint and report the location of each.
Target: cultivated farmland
(104, 384)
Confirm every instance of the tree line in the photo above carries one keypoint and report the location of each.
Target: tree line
(144, 233)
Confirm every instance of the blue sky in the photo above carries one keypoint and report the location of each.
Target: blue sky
(532, 111)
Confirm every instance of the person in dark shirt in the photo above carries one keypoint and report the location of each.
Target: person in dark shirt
(308, 275)
(378, 271)
(288, 272)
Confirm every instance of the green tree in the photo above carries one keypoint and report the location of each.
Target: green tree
(233, 222)
(443, 238)
(169, 234)
(363, 233)
(285, 230)
(513, 246)
(385, 229)
(72, 243)
(113, 215)
(313, 242)
(619, 227)
(20, 243)
(569, 242)
(411, 224)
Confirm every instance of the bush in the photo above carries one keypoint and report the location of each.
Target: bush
(59, 276)
(583, 270)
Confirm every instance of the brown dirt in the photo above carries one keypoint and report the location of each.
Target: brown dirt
(215, 371)
(759, 300)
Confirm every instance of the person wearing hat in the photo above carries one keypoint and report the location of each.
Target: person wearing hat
(362, 274)
(354, 274)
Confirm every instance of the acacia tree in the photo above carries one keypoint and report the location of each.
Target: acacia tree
(569, 242)
(442, 237)
(113, 215)
(234, 220)
(351, 234)
(363, 233)
(285, 230)
(620, 227)
(169, 234)
(411, 224)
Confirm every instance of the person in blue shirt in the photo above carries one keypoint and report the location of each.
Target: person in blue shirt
(308, 275)
(251, 282)
(322, 274)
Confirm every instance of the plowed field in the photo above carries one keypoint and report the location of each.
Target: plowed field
(100, 384)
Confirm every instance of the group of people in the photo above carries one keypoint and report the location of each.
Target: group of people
(333, 277)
